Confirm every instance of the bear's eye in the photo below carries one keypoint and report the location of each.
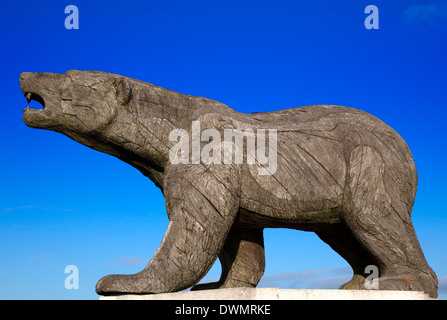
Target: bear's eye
(123, 91)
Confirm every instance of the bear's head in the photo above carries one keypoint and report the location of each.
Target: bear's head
(77, 103)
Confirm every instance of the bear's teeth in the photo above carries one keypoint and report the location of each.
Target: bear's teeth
(28, 97)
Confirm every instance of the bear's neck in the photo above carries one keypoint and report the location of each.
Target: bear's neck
(141, 130)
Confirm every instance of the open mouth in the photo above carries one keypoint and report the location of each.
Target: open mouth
(40, 91)
(31, 96)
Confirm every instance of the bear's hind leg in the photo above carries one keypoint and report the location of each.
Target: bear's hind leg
(242, 259)
(377, 208)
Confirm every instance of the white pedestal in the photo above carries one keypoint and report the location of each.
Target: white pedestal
(277, 294)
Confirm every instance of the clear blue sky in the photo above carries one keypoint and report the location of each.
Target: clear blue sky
(64, 204)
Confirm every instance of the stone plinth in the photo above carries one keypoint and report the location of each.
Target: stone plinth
(277, 294)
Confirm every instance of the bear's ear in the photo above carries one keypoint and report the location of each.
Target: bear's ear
(123, 90)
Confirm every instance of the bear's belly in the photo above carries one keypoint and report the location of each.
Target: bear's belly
(308, 221)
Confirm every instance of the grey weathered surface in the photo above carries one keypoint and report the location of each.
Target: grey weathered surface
(341, 173)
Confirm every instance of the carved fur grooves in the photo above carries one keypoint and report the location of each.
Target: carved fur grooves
(340, 172)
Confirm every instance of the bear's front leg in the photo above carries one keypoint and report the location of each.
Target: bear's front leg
(202, 203)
